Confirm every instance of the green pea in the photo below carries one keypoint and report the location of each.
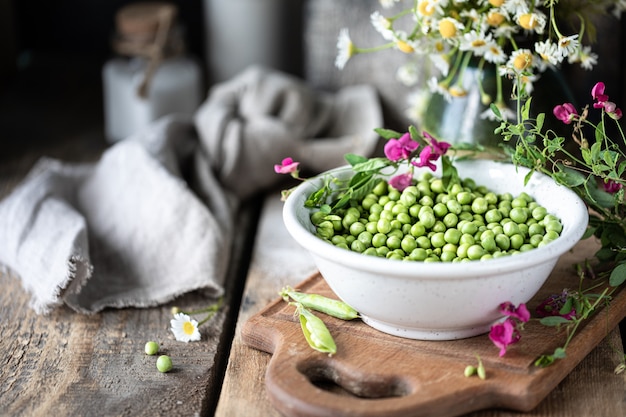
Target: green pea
(394, 242)
(418, 229)
(493, 216)
(418, 254)
(408, 243)
(383, 226)
(503, 241)
(379, 239)
(440, 210)
(382, 251)
(164, 363)
(479, 205)
(518, 215)
(357, 228)
(464, 197)
(517, 241)
(151, 348)
(358, 246)
(475, 252)
(366, 238)
(423, 242)
(452, 235)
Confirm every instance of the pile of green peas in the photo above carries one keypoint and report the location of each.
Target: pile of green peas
(425, 222)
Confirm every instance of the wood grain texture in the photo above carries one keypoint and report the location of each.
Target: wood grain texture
(591, 388)
(67, 364)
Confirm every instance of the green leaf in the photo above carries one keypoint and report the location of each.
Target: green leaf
(569, 177)
(495, 110)
(599, 133)
(526, 110)
(553, 321)
(387, 133)
(540, 119)
(618, 275)
(371, 165)
(354, 159)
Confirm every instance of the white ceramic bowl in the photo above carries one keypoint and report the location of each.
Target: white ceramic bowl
(444, 300)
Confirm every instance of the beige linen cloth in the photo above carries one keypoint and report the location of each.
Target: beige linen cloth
(153, 218)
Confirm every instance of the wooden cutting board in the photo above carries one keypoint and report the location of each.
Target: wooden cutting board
(375, 374)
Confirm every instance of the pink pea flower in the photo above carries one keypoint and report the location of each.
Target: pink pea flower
(426, 158)
(396, 149)
(401, 181)
(438, 148)
(288, 166)
(612, 110)
(612, 186)
(597, 92)
(552, 305)
(565, 112)
(521, 312)
(504, 334)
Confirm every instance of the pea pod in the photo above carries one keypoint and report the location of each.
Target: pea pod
(315, 331)
(330, 306)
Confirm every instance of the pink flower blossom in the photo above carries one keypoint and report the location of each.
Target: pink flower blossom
(597, 92)
(521, 312)
(504, 334)
(401, 181)
(552, 305)
(426, 158)
(612, 186)
(438, 148)
(396, 149)
(288, 166)
(565, 112)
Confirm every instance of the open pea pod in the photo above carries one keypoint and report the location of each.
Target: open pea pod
(315, 331)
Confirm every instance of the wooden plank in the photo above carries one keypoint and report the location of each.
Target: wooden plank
(67, 364)
(276, 262)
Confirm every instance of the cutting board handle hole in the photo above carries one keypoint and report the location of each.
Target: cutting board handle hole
(352, 383)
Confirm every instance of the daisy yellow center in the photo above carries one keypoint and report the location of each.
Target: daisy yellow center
(527, 21)
(456, 91)
(426, 8)
(522, 61)
(439, 46)
(447, 29)
(496, 3)
(495, 19)
(564, 42)
(188, 328)
(477, 43)
(405, 47)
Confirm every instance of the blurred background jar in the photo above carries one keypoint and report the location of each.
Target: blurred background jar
(151, 74)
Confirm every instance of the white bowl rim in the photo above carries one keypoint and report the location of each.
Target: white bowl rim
(437, 270)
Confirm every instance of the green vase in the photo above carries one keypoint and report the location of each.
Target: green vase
(461, 119)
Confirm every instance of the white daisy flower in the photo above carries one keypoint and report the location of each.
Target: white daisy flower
(476, 42)
(345, 48)
(585, 57)
(185, 328)
(515, 7)
(441, 62)
(568, 45)
(382, 25)
(549, 52)
(494, 53)
(408, 74)
(535, 21)
(436, 88)
(386, 4)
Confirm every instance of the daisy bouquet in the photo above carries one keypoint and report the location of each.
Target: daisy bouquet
(520, 38)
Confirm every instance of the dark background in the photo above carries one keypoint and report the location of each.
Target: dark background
(52, 53)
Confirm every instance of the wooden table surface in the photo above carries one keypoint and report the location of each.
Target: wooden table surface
(67, 364)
